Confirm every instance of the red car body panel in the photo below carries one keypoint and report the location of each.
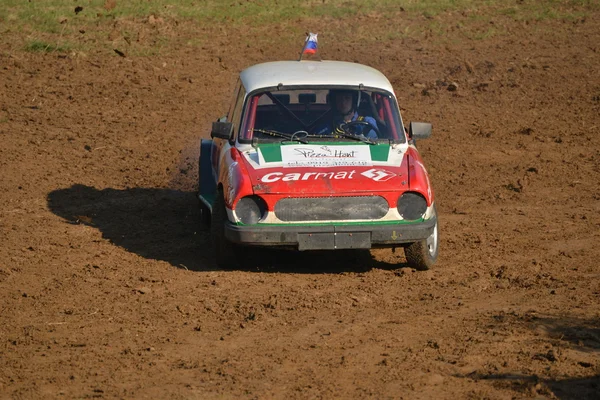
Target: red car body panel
(239, 178)
(418, 178)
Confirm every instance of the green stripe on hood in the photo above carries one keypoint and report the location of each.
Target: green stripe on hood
(380, 152)
(271, 153)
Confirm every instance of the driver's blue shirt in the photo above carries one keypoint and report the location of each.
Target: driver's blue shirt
(338, 120)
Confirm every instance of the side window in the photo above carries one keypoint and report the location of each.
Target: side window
(235, 115)
(233, 102)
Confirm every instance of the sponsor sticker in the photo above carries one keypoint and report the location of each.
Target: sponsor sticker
(376, 174)
(305, 176)
(325, 156)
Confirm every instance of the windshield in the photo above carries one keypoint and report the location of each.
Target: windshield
(321, 114)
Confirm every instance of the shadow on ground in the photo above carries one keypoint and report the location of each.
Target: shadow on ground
(160, 224)
(583, 335)
(587, 388)
(165, 224)
(574, 333)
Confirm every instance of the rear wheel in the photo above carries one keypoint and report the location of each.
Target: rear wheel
(204, 215)
(224, 250)
(423, 254)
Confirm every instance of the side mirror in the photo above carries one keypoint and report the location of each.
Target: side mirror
(419, 130)
(221, 130)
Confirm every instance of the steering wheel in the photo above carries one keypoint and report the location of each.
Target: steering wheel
(347, 127)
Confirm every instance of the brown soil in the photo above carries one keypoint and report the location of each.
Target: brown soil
(108, 288)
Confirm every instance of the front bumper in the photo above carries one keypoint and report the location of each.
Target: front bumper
(330, 237)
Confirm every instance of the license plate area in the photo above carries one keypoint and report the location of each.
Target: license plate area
(334, 240)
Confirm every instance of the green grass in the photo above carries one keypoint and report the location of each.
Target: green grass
(41, 46)
(46, 15)
(549, 10)
(56, 19)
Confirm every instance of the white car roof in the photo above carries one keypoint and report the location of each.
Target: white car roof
(312, 73)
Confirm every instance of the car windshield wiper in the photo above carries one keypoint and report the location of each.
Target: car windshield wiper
(353, 136)
(302, 136)
(299, 136)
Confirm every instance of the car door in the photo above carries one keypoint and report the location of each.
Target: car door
(219, 146)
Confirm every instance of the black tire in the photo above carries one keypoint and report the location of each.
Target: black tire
(224, 250)
(423, 254)
(204, 215)
(206, 182)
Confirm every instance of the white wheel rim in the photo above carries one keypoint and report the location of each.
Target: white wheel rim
(432, 241)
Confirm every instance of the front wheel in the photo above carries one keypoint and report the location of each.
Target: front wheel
(224, 250)
(204, 215)
(423, 254)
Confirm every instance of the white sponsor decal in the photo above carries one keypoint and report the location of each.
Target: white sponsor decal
(305, 176)
(379, 175)
(325, 156)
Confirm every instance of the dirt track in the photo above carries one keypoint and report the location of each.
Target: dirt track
(108, 289)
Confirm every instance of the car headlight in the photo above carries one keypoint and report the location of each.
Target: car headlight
(412, 206)
(250, 209)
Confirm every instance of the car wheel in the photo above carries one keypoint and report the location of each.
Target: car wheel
(422, 255)
(204, 215)
(224, 250)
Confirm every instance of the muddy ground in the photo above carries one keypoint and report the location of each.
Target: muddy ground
(107, 284)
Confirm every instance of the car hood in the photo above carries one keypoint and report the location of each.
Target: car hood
(326, 169)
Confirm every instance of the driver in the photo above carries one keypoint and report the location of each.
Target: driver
(345, 102)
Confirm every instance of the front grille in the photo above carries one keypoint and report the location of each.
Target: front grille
(331, 208)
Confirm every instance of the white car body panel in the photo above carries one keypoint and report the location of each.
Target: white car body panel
(312, 73)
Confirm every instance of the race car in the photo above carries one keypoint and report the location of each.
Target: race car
(286, 167)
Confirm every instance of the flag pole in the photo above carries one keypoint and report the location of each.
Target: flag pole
(303, 47)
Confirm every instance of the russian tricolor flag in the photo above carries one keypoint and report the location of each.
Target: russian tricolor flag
(310, 47)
